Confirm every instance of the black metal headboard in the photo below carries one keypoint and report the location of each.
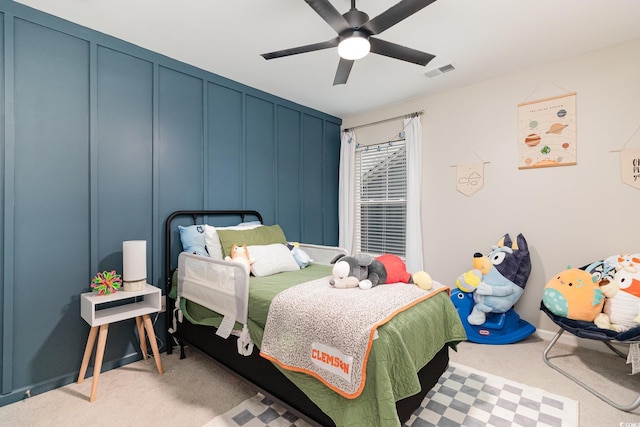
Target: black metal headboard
(242, 214)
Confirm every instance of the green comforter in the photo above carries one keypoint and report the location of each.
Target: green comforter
(404, 345)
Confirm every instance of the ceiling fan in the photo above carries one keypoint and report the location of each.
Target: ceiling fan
(355, 35)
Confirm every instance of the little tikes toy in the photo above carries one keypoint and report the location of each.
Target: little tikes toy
(365, 272)
(486, 294)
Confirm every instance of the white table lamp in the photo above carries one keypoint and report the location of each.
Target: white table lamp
(134, 265)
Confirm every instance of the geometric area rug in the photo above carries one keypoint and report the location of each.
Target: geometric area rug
(468, 397)
(463, 397)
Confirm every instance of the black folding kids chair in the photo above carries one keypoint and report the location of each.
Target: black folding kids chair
(588, 330)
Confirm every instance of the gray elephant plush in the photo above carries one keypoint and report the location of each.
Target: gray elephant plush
(361, 271)
(365, 272)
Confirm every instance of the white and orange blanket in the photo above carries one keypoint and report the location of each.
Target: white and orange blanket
(328, 333)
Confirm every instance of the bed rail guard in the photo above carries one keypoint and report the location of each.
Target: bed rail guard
(323, 254)
(169, 229)
(195, 214)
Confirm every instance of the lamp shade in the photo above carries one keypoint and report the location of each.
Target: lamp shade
(134, 265)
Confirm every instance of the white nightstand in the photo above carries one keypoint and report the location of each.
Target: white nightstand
(99, 312)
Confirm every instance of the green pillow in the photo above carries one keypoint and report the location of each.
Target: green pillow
(265, 235)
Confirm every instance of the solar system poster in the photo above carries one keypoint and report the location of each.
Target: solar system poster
(547, 132)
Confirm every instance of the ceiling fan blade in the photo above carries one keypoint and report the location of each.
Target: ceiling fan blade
(330, 14)
(344, 69)
(396, 51)
(302, 49)
(395, 14)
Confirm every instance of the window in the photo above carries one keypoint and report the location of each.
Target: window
(381, 199)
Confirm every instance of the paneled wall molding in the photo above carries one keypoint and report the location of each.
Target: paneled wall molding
(93, 151)
(101, 141)
(7, 213)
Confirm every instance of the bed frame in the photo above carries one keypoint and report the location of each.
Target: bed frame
(260, 372)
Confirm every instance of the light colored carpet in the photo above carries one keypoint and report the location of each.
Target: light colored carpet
(189, 393)
(462, 397)
(195, 390)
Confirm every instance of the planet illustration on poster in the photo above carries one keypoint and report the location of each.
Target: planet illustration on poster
(565, 145)
(533, 124)
(556, 128)
(532, 140)
(562, 113)
(546, 149)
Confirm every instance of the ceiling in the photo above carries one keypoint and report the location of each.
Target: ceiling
(482, 38)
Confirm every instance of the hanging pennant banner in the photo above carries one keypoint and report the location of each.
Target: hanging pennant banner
(469, 178)
(630, 166)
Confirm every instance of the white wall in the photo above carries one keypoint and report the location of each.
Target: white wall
(570, 215)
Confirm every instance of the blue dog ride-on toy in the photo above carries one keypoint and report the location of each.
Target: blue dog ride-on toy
(499, 328)
(487, 293)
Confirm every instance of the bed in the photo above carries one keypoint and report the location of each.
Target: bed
(406, 359)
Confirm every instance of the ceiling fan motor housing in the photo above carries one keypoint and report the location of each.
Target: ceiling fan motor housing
(356, 19)
(354, 33)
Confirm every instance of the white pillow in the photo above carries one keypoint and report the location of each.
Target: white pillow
(271, 259)
(242, 226)
(212, 242)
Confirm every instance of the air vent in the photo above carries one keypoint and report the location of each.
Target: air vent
(434, 72)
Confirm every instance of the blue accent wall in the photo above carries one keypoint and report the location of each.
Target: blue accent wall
(100, 141)
(6, 292)
(51, 197)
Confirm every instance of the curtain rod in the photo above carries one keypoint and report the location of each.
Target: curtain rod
(414, 114)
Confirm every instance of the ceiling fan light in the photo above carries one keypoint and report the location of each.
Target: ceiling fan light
(354, 47)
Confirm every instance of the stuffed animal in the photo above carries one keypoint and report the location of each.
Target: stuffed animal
(302, 258)
(365, 272)
(498, 279)
(241, 254)
(622, 307)
(575, 294)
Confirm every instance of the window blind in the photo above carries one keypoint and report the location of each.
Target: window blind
(381, 205)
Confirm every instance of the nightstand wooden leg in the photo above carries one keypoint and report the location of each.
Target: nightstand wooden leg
(87, 353)
(143, 341)
(152, 339)
(102, 340)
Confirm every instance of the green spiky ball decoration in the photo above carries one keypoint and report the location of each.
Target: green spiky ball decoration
(106, 283)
